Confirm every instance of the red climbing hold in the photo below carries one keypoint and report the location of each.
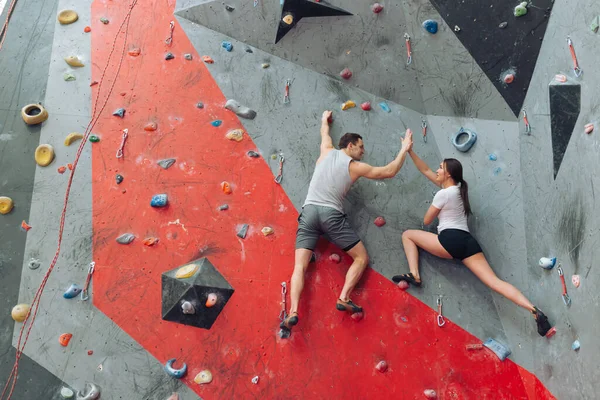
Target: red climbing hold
(551, 332)
(150, 126)
(208, 60)
(64, 339)
(24, 226)
(134, 52)
(226, 187)
(87, 29)
(90, 352)
(335, 258)
(346, 73)
(150, 241)
(403, 285)
(94, 83)
(381, 366)
(366, 106)
(509, 78)
(379, 221)
(61, 170)
(70, 166)
(357, 316)
(376, 8)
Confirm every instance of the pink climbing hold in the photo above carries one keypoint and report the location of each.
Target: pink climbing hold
(589, 128)
(403, 285)
(509, 78)
(335, 258)
(366, 106)
(430, 394)
(376, 8)
(381, 366)
(346, 73)
(379, 221)
(576, 280)
(551, 332)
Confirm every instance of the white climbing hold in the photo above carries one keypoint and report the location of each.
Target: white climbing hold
(66, 393)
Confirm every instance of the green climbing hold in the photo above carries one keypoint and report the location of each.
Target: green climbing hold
(69, 77)
(521, 9)
(595, 24)
(94, 139)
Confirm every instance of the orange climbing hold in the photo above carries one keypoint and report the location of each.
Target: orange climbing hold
(62, 169)
(64, 339)
(25, 226)
(87, 29)
(211, 300)
(150, 241)
(208, 60)
(70, 166)
(226, 187)
(150, 126)
(134, 52)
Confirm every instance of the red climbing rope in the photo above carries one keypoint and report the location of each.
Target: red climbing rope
(5, 26)
(95, 117)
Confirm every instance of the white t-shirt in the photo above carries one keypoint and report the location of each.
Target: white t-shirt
(452, 214)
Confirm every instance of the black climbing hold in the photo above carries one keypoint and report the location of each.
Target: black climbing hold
(229, 8)
(169, 56)
(313, 258)
(119, 113)
(249, 50)
(565, 105)
(253, 154)
(119, 179)
(195, 290)
(200, 105)
(224, 207)
(294, 10)
(499, 46)
(243, 231)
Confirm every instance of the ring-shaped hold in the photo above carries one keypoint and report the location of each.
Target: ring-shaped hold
(34, 114)
(92, 394)
(466, 146)
(175, 373)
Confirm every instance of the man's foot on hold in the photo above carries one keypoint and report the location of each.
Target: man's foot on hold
(290, 321)
(543, 326)
(348, 306)
(410, 278)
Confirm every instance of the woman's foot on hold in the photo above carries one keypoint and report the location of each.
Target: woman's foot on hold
(410, 278)
(348, 306)
(543, 326)
(290, 321)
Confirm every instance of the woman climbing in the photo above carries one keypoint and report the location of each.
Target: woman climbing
(451, 206)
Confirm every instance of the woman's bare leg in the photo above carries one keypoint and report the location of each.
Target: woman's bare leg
(412, 239)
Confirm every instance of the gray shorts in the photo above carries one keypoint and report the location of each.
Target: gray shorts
(315, 221)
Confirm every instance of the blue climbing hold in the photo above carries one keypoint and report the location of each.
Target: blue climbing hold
(492, 157)
(430, 26)
(159, 200)
(175, 373)
(576, 345)
(227, 45)
(216, 122)
(385, 107)
(72, 291)
(466, 145)
(497, 171)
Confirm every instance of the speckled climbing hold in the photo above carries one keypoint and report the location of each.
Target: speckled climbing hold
(467, 144)
(87, 29)
(576, 345)
(229, 8)
(19, 312)
(74, 61)
(125, 238)
(175, 373)
(134, 52)
(503, 25)
(119, 112)
(34, 263)
(208, 60)
(385, 107)
(187, 56)
(203, 377)
(267, 230)
(104, 20)
(169, 56)
(346, 73)
(576, 281)
(72, 137)
(430, 26)
(403, 285)
(159, 200)
(492, 157)
(166, 163)
(430, 393)
(224, 207)
(226, 45)
(288, 19)
(62, 169)
(226, 187)
(381, 366)
(235, 134)
(216, 123)
(44, 154)
(188, 308)
(90, 392)
(64, 339)
(187, 271)
(150, 241)
(69, 77)
(25, 226)
(589, 128)
(348, 105)
(239, 109)
(265, 65)
(379, 221)
(94, 138)
(376, 8)
(253, 154)
(151, 126)
(72, 291)
(366, 106)
(521, 9)
(66, 17)
(119, 179)
(508, 78)
(6, 204)
(34, 114)
(335, 258)
(560, 78)
(66, 393)
(211, 300)
(243, 231)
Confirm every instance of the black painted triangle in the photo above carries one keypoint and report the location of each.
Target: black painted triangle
(294, 10)
(565, 104)
(496, 49)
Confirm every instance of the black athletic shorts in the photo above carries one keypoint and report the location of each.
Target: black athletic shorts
(460, 244)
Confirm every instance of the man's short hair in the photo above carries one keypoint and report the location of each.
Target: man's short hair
(349, 138)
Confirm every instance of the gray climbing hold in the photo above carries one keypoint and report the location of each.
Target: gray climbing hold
(166, 163)
(91, 392)
(187, 56)
(243, 231)
(34, 263)
(239, 109)
(503, 25)
(188, 308)
(200, 105)
(253, 154)
(119, 179)
(169, 56)
(229, 8)
(125, 238)
(466, 145)
(119, 112)
(224, 207)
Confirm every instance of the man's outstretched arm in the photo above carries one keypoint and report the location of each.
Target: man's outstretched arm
(358, 169)
(326, 142)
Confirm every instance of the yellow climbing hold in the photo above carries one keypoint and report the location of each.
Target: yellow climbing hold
(66, 17)
(267, 230)
(19, 312)
(347, 105)
(186, 271)
(34, 114)
(72, 137)
(235, 134)
(288, 19)
(44, 155)
(74, 61)
(6, 204)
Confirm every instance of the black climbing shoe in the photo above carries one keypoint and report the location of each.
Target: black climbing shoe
(348, 306)
(290, 321)
(410, 278)
(543, 326)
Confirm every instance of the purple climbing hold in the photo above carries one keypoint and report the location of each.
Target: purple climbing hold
(216, 123)
(159, 200)
(243, 231)
(169, 56)
(119, 112)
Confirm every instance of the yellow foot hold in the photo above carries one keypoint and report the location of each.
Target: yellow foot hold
(74, 61)
(19, 312)
(6, 205)
(44, 155)
(72, 137)
(347, 105)
(34, 114)
(66, 17)
(186, 271)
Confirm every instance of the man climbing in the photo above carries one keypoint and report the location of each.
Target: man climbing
(323, 211)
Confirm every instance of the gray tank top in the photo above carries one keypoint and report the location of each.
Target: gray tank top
(330, 181)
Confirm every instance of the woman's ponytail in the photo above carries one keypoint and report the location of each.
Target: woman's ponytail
(464, 194)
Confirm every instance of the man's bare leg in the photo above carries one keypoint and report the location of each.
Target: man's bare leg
(361, 260)
(302, 259)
